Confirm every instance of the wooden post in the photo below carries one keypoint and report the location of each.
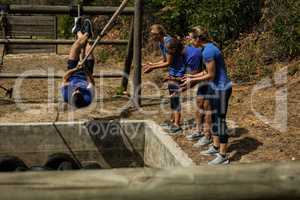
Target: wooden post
(55, 34)
(128, 59)
(3, 26)
(138, 18)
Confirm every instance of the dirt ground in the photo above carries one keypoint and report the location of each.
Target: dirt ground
(253, 138)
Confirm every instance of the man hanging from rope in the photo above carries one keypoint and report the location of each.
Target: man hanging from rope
(78, 82)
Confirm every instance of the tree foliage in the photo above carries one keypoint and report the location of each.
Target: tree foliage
(225, 19)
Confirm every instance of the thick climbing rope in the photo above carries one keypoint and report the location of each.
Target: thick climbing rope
(60, 134)
(104, 31)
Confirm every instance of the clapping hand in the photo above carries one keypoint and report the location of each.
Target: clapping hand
(187, 81)
(147, 68)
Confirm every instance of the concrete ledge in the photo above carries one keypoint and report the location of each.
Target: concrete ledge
(161, 150)
(113, 144)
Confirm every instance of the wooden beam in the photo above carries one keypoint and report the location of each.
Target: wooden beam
(65, 10)
(261, 181)
(137, 61)
(58, 41)
(128, 59)
(4, 29)
(55, 76)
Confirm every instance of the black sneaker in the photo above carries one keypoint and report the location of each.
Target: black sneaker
(174, 130)
(77, 25)
(87, 27)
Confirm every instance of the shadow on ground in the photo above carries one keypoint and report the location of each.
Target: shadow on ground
(242, 147)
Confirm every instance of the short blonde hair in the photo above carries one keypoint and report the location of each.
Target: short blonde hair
(157, 28)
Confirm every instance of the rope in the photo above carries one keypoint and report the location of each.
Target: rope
(104, 31)
(59, 133)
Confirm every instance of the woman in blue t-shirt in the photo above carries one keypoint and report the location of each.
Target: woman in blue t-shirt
(195, 65)
(220, 91)
(171, 50)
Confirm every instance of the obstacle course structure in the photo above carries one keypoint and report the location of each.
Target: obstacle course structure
(21, 23)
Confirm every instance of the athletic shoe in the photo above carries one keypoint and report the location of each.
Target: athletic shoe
(211, 151)
(203, 142)
(220, 160)
(195, 136)
(87, 27)
(166, 124)
(77, 25)
(174, 130)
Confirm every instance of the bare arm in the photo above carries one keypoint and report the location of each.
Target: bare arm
(202, 73)
(210, 75)
(91, 78)
(211, 72)
(163, 64)
(158, 62)
(68, 74)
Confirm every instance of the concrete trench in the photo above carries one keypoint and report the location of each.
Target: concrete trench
(111, 144)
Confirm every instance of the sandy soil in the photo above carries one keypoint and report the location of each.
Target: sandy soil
(252, 140)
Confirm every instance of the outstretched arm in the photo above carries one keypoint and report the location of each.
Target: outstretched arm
(163, 64)
(210, 75)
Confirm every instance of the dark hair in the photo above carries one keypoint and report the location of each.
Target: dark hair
(177, 45)
(78, 100)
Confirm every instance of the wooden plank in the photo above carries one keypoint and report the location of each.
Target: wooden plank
(31, 20)
(59, 41)
(31, 26)
(56, 76)
(64, 10)
(18, 49)
(262, 181)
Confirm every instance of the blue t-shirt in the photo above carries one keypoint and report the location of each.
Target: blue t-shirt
(211, 52)
(77, 80)
(163, 46)
(177, 69)
(193, 59)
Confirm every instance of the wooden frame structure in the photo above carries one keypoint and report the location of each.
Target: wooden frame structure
(134, 43)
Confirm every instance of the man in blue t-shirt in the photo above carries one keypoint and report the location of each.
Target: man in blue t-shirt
(219, 90)
(78, 83)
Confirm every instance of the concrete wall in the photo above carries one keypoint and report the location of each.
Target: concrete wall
(103, 142)
(161, 151)
(113, 144)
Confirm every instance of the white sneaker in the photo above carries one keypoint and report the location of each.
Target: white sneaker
(77, 25)
(220, 160)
